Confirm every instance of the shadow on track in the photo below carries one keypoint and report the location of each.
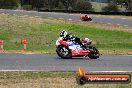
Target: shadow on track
(76, 58)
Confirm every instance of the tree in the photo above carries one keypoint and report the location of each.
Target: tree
(83, 5)
(37, 3)
(9, 3)
(129, 7)
(1, 3)
(47, 4)
(68, 3)
(126, 3)
(110, 8)
(118, 1)
(61, 5)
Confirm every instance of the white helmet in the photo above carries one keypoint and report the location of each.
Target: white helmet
(63, 33)
(87, 41)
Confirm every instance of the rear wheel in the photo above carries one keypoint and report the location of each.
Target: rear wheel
(90, 19)
(63, 52)
(94, 53)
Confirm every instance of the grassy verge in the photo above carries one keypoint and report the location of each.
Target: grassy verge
(48, 80)
(98, 6)
(41, 33)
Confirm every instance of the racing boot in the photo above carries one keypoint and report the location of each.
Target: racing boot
(83, 47)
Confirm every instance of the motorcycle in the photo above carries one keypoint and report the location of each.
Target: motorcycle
(73, 49)
(86, 18)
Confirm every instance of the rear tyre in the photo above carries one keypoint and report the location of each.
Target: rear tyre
(94, 53)
(64, 52)
(90, 19)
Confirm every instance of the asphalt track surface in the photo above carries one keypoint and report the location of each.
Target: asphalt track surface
(36, 62)
(100, 19)
(51, 62)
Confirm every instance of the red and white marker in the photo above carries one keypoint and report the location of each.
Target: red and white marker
(1, 45)
(25, 44)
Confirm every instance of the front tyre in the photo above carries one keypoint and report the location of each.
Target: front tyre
(64, 52)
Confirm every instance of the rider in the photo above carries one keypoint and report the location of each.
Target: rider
(64, 36)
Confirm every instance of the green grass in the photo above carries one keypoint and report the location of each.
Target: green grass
(104, 38)
(98, 6)
(42, 33)
(48, 80)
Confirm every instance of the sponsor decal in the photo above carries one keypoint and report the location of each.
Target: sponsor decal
(84, 78)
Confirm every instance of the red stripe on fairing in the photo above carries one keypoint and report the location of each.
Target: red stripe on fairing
(63, 42)
(74, 53)
(81, 53)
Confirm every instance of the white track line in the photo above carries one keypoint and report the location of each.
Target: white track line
(14, 14)
(37, 16)
(110, 71)
(123, 18)
(118, 24)
(3, 13)
(108, 23)
(127, 55)
(125, 25)
(25, 15)
(69, 19)
(28, 53)
(60, 18)
(50, 17)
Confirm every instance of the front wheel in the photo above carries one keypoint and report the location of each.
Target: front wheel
(64, 52)
(94, 53)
